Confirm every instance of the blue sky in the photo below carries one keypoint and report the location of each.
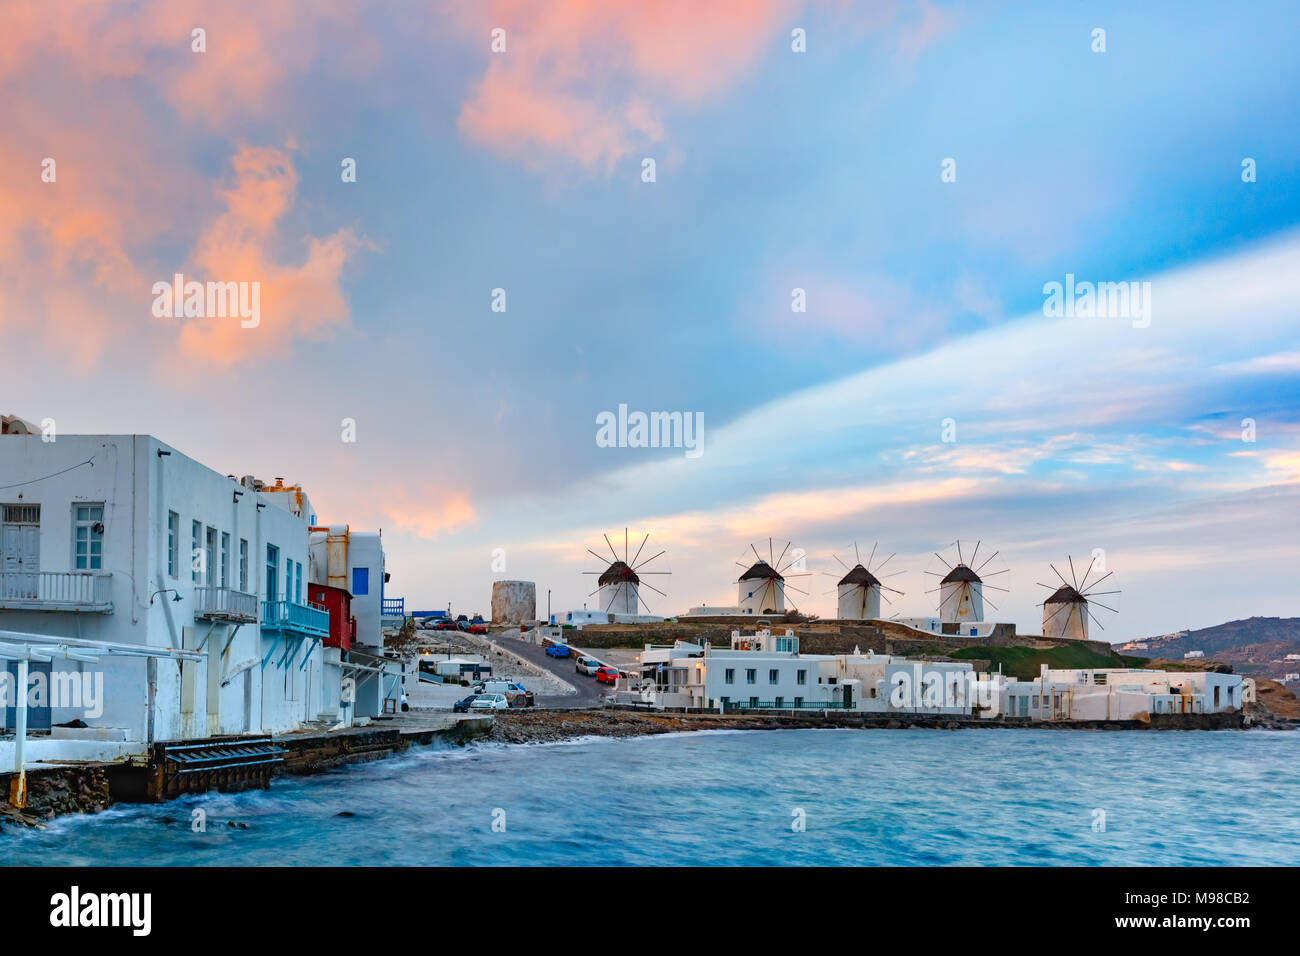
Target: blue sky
(775, 170)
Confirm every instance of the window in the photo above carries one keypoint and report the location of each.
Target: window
(272, 573)
(753, 702)
(243, 564)
(780, 702)
(22, 514)
(173, 543)
(772, 676)
(297, 582)
(196, 550)
(801, 676)
(210, 557)
(787, 645)
(750, 674)
(88, 537)
(225, 560)
(288, 579)
(798, 702)
(730, 677)
(360, 581)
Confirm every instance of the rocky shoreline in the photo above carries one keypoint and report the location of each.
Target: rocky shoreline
(551, 726)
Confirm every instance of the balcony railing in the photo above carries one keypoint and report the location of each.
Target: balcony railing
(393, 607)
(787, 705)
(225, 604)
(306, 619)
(56, 591)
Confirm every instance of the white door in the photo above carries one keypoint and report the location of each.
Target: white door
(21, 548)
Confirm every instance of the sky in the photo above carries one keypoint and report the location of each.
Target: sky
(915, 175)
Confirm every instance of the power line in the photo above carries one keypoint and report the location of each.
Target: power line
(89, 461)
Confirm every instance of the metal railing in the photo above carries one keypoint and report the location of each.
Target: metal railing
(291, 616)
(787, 705)
(56, 590)
(225, 604)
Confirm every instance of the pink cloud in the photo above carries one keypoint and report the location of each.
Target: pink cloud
(590, 80)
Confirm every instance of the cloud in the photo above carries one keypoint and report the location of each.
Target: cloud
(423, 510)
(115, 97)
(297, 301)
(591, 82)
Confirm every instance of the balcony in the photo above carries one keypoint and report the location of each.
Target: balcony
(225, 604)
(295, 620)
(80, 591)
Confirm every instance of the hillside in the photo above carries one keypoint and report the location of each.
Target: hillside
(1255, 646)
(1024, 663)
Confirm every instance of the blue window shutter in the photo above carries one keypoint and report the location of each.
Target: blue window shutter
(360, 581)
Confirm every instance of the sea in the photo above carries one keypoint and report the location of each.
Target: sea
(996, 797)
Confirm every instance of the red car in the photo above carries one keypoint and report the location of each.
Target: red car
(478, 628)
(607, 675)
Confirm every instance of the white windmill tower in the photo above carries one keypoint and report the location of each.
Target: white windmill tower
(1067, 610)
(618, 586)
(962, 586)
(859, 591)
(761, 588)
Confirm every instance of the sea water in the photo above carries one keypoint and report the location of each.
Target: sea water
(838, 797)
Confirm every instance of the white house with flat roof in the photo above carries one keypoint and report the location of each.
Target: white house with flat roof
(122, 540)
(766, 671)
(1123, 694)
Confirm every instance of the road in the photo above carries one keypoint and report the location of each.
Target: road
(589, 691)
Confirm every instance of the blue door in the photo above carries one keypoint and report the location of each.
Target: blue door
(38, 718)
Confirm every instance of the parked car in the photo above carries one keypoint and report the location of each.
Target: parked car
(520, 696)
(490, 702)
(587, 665)
(463, 706)
(517, 695)
(607, 675)
(558, 650)
(444, 625)
(478, 628)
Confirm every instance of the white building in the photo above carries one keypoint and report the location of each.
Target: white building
(767, 672)
(1122, 694)
(586, 616)
(123, 540)
(354, 561)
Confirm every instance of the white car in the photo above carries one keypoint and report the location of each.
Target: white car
(490, 702)
(587, 665)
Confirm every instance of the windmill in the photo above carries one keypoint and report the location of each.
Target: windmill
(962, 584)
(1067, 610)
(619, 584)
(860, 590)
(761, 588)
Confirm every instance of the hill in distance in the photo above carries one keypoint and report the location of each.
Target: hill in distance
(1255, 647)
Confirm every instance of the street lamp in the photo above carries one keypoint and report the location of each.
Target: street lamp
(177, 595)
